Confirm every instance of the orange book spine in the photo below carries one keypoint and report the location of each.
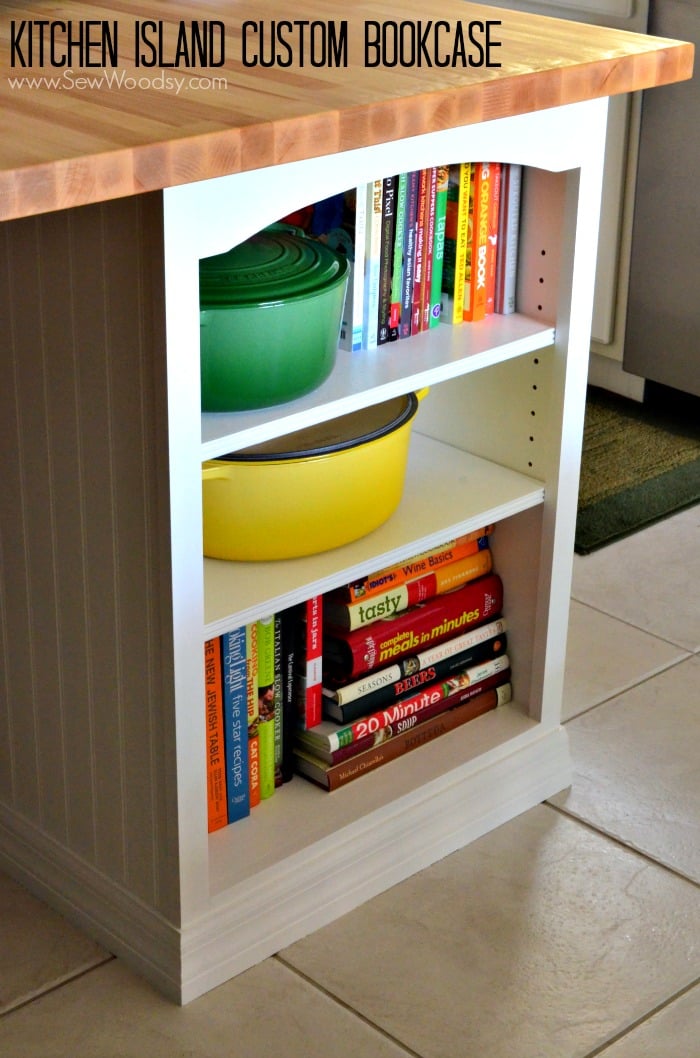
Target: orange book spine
(391, 576)
(475, 296)
(217, 811)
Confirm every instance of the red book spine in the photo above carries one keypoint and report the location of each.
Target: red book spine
(347, 654)
(464, 695)
(493, 236)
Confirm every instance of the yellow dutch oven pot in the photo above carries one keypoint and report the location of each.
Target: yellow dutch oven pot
(311, 490)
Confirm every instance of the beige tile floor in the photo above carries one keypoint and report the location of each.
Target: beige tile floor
(571, 931)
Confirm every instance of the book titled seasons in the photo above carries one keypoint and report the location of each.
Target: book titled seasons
(347, 654)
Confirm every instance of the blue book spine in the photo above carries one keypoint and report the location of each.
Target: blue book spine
(235, 724)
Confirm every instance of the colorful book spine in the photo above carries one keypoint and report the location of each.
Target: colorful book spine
(459, 712)
(475, 281)
(424, 562)
(373, 246)
(419, 265)
(396, 599)
(409, 253)
(251, 644)
(289, 620)
(456, 242)
(278, 699)
(509, 226)
(309, 664)
(217, 815)
(266, 704)
(417, 703)
(414, 681)
(235, 724)
(317, 746)
(386, 258)
(429, 250)
(442, 175)
(492, 237)
(397, 265)
(491, 636)
(378, 679)
(347, 654)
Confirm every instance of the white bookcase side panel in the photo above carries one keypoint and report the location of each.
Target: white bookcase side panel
(447, 491)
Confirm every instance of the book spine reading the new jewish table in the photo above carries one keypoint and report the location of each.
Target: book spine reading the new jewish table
(217, 814)
(348, 654)
(333, 776)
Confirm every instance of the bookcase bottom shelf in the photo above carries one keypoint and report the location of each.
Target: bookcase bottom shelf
(315, 856)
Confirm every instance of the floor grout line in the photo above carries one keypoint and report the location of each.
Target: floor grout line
(642, 1020)
(623, 844)
(408, 1051)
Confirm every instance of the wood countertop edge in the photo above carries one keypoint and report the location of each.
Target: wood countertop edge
(186, 158)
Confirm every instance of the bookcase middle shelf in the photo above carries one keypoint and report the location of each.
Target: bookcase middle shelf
(447, 492)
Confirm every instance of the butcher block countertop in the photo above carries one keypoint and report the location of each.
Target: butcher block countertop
(98, 123)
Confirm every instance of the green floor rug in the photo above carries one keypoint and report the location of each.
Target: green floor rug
(641, 462)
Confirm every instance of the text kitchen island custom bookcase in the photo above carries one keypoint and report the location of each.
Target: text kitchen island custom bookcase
(108, 201)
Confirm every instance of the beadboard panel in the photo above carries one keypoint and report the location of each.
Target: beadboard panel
(87, 691)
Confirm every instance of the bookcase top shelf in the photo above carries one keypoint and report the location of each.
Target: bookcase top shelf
(74, 135)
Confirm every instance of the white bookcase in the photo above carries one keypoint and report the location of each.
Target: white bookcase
(497, 439)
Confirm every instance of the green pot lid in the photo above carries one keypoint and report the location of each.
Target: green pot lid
(272, 266)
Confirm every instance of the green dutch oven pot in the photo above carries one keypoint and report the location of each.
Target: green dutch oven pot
(270, 316)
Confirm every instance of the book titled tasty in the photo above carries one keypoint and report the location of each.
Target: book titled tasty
(424, 699)
(333, 776)
(425, 561)
(233, 670)
(347, 654)
(442, 664)
(217, 814)
(394, 600)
